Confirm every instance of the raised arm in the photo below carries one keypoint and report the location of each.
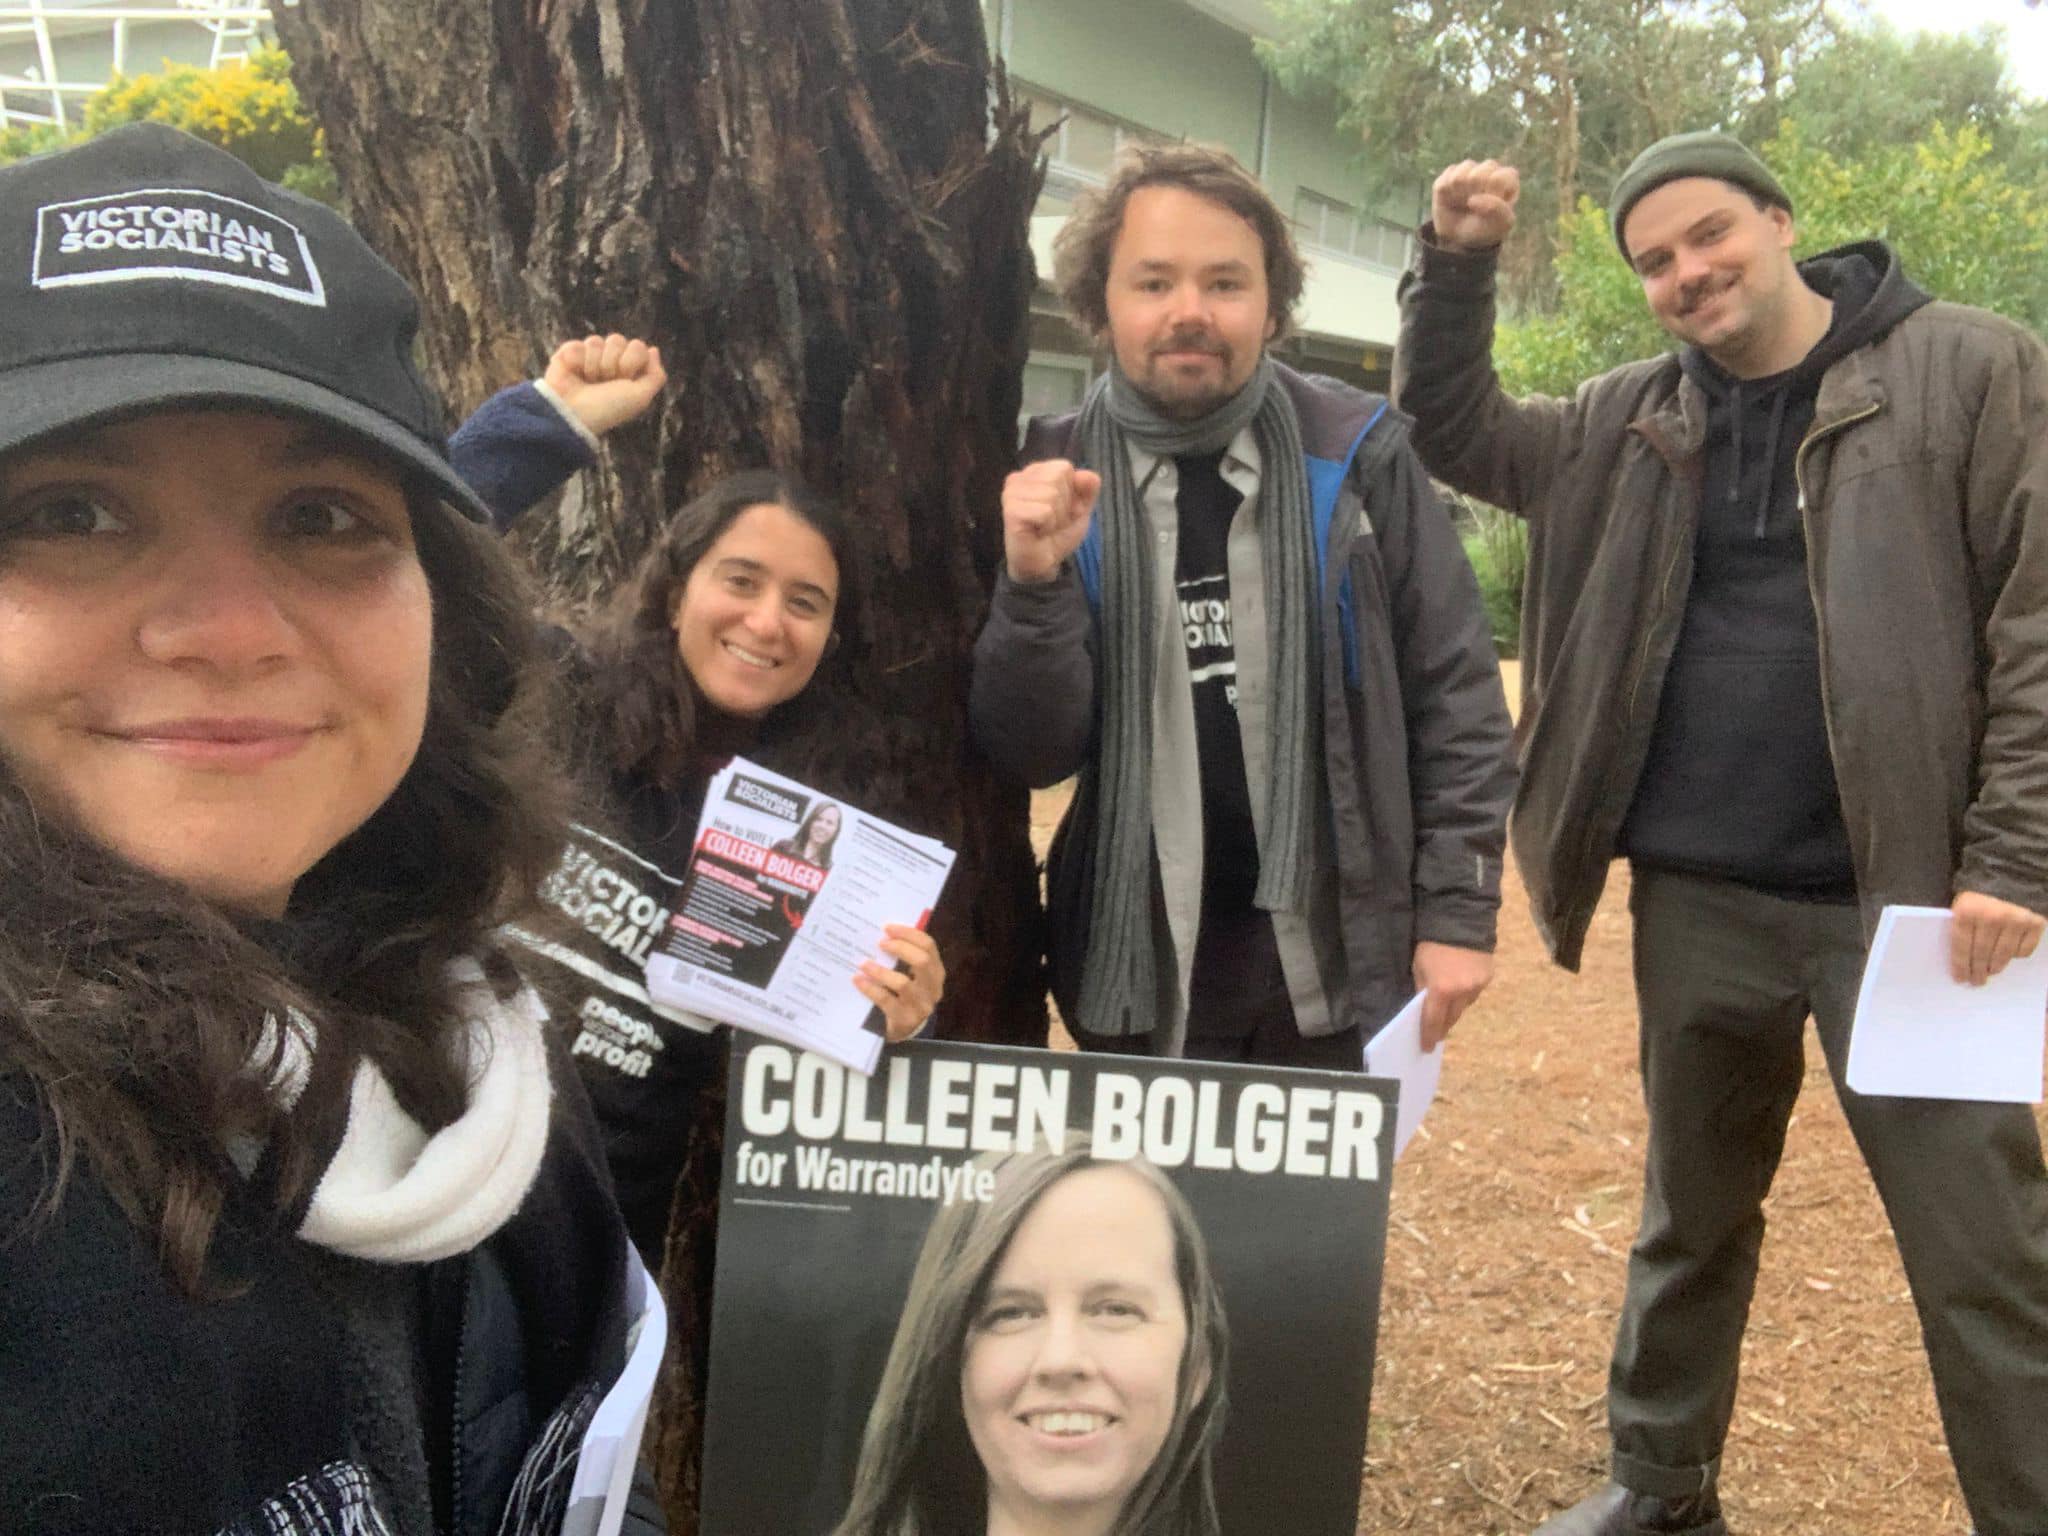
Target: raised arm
(525, 441)
(1032, 703)
(1468, 431)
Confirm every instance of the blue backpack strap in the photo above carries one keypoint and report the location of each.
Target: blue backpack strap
(1325, 482)
(1088, 561)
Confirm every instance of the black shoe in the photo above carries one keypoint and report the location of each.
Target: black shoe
(1615, 1511)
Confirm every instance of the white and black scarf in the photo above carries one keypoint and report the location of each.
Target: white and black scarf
(394, 1194)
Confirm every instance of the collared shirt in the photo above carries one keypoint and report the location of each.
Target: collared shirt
(1179, 809)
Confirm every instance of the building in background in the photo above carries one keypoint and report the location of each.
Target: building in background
(1103, 71)
(54, 54)
(1108, 71)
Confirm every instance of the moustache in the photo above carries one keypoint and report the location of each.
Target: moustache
(1191, 341)
(1692, 297)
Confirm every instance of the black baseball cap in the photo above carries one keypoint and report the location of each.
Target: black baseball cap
(148, 269)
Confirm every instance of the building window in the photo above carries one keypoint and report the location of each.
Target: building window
(1052, 384)
(1385, 242)
(1085, 141)
(1330, 225)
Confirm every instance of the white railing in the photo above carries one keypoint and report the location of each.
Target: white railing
(33, 33)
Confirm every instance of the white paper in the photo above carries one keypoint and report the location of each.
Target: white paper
(604, 1465)
(765, 940)
(1920, 1034)
(1396, 1051)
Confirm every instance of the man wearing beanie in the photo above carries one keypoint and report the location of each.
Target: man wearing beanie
(1785, 647)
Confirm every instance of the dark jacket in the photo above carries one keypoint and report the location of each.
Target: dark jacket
(517, 448)
(130, 1409)
(1928, 575)
(1739, 783)
(1418, 777)
(649, 1071)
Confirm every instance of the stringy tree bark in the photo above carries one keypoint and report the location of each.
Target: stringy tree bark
(818, 209)
(803, 203)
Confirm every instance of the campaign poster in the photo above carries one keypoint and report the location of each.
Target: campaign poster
(787, 893)
(748, 885)
(1042, 1278)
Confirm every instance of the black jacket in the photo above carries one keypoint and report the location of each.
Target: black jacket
(649, 1075)
(128, 1407)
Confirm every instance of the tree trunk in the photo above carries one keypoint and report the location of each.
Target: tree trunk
(810, 206)
(801, 201)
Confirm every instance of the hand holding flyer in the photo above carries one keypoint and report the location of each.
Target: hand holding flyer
(786, 896)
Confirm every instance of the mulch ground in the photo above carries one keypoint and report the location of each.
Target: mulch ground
(1511, 1219)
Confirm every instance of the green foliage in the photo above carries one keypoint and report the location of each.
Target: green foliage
(1963, 226)
(20, 143)
(248, 107)
(1569, 90)
(314, 179)
(1598, 322)
(1877, 86)
(1497, 544)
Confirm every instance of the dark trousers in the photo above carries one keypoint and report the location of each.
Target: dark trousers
(1726, 977)
(1270, 1040)
(1270, 1043)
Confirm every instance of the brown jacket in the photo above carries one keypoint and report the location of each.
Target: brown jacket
(1924, 488)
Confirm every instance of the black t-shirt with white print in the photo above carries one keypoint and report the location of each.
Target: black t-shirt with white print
(1237, 978)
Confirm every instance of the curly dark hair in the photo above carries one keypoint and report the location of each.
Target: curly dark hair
(643, 697)
(134, 1011)
(1081, 250)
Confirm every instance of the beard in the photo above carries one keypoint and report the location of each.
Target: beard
(1182, 394)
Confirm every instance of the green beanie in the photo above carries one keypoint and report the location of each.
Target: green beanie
(1704, 153)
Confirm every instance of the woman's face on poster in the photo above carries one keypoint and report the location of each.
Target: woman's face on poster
(1071, 1373)
(824, 826)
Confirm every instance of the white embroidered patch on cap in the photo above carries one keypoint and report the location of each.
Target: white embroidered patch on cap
(176, 234)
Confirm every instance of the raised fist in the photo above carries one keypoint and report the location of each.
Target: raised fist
(605, 381)
(1473, 204)
(1046, 507)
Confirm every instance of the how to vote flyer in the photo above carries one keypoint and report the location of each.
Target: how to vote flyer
(786, 893)
(1048, 1273)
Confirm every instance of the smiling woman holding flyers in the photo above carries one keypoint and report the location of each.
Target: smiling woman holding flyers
(707, 651)
(303, 1223)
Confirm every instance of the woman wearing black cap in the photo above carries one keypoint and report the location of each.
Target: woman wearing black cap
(303, 1227)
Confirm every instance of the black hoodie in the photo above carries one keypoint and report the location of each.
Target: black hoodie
(1739, 782)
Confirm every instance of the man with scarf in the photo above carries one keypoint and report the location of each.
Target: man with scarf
(1786, 623)
(1232, 604)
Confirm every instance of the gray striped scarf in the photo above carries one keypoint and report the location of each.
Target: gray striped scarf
(1119, 971)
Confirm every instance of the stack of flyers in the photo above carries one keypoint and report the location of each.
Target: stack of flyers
(787, 892)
